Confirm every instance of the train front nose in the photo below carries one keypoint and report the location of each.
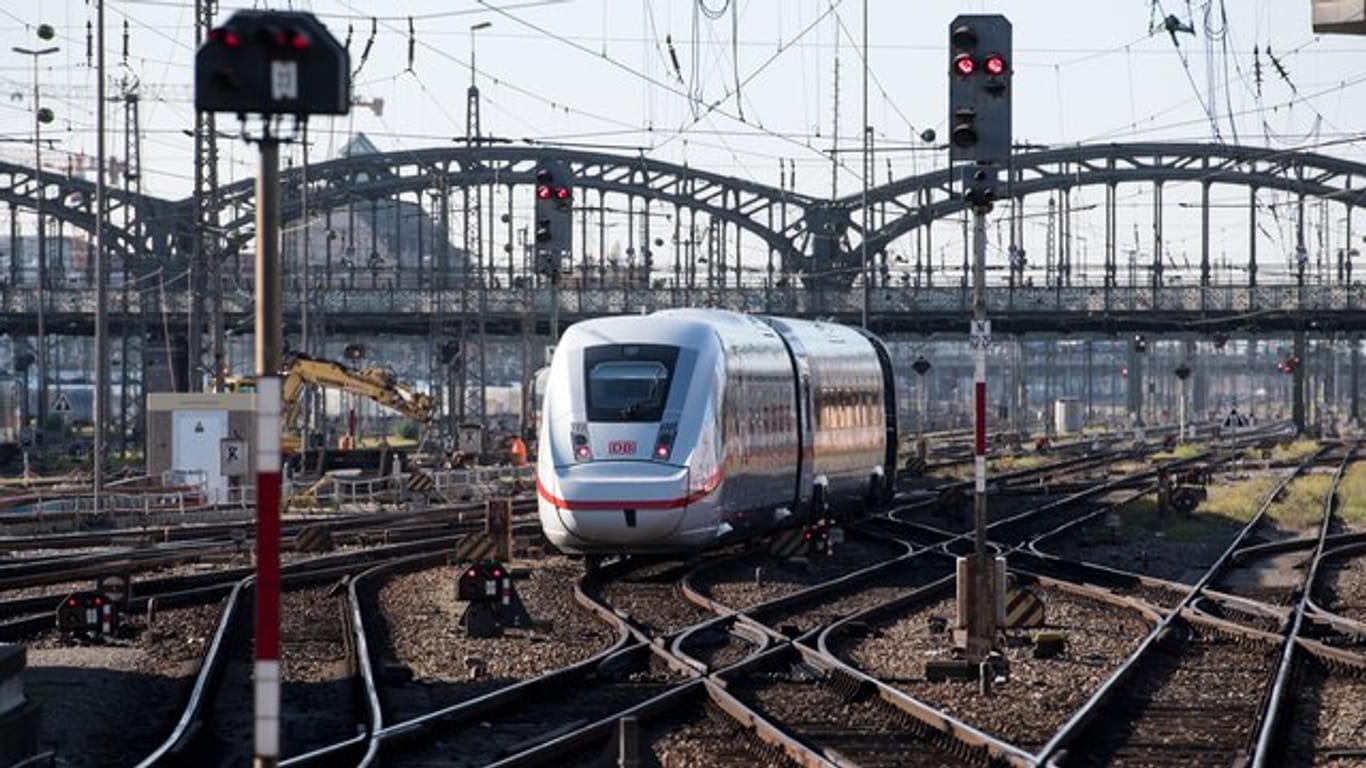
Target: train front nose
(617, 503)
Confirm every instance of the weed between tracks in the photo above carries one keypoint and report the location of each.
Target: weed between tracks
(1237, 501)
(1016, 463)
(1183, 451)
(1283, 453)
(1141, 521)
(1352, 494)
(1301, 506)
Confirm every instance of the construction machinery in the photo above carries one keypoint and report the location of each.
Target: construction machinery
(376, 383)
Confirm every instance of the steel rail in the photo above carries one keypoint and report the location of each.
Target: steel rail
(1275, 702)
(1114, 684)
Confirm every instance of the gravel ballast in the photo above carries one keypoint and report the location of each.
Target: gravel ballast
(1039, 695)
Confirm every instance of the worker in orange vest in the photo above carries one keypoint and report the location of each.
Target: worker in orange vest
(517, 449)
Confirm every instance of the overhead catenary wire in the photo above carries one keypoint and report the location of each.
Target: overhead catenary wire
(1285, 126)
(553, 103)
(1172, 29)
(714, 107)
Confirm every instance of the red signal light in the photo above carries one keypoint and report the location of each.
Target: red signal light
(964, 65)
(473, 573)
(298, 40)
(995, 65)
(561, 193)
(496, 573)
(662, 451)
(227, 36)
(99, 601)
(542, 192)
(582, 452)
(71, 601)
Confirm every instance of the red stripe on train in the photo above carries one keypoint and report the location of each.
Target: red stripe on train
(599, 506)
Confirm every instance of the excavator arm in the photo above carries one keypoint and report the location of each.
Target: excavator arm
(376, 383)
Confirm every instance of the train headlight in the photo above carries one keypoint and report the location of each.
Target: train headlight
(579, 438)
(664, 444)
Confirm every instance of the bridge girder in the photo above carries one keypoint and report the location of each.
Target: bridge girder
(742, 203)
(816, 230)
(71, 200)
(1314, 175)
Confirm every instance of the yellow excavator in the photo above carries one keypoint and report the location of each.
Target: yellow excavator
(375, 382)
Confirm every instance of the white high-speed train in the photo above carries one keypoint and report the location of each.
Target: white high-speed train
(670, 432)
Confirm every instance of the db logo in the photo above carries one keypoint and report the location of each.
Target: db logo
(622, 447)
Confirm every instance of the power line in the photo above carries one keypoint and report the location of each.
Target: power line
(715, 107)
(326, 15)
(497, 81)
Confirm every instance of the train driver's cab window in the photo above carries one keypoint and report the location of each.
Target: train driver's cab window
(628, 382)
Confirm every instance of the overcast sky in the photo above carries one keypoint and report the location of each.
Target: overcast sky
(601, 73)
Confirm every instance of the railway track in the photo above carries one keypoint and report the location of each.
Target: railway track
(1204, 687)
(225, 672)
(673, 662)
(24, 617)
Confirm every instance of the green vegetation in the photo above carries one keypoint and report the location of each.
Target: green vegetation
(1237, 500)
(1182, 451)
(1126, 467)
(1352, 494)
(1015, 463)
(1294, 451)
(952, 472)
(1140, 520)
(1301, 505)
(1286, 453)
(1141, 507)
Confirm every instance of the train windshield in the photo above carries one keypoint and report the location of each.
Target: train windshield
(628, 382)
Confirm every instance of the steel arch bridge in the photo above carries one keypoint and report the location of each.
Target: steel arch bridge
(814, 245)
(809, 236)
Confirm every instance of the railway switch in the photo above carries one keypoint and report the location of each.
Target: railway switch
(90, 614)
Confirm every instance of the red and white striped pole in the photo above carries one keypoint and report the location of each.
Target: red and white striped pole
(267, 669)
(269, 347)
(982, 621)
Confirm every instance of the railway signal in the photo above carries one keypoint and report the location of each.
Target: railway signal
(491, 599)
(266, 64)
(979, 89)
(980, 138)
(88, 614)
(272, 63)
(554, 219)
(980, 100)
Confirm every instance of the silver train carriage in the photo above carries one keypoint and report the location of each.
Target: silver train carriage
(670, 432)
